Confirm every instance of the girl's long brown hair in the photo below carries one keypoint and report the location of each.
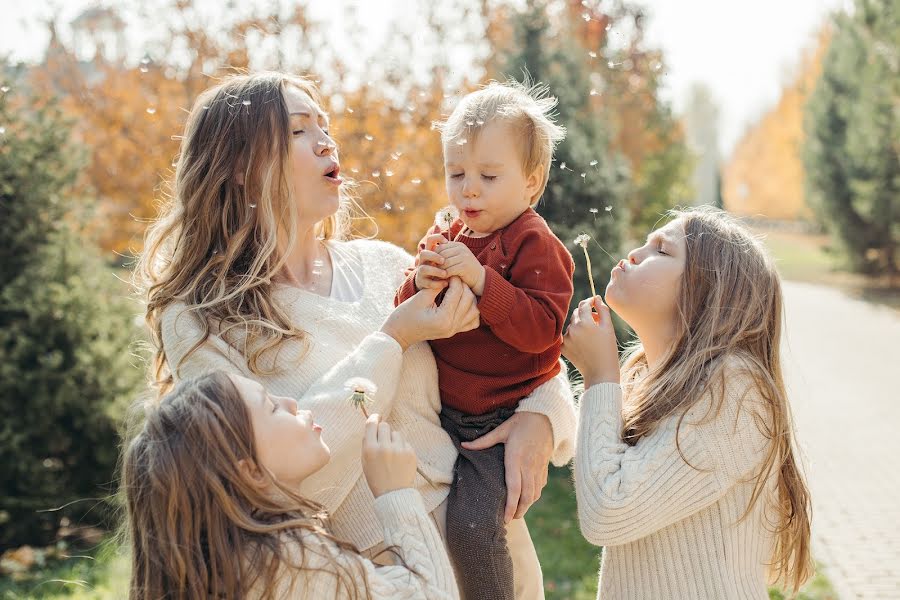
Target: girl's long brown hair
(730, 307)
(218, 243)
(196, 526)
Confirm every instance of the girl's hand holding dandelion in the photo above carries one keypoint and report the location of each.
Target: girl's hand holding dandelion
(361, 392)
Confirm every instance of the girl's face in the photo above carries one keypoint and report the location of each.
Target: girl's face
(643, 289)
(288, 442)
(315, 173)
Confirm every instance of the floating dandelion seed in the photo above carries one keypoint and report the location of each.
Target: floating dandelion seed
(479, 122)
(402, 207)
(608, 26)
(611, 64)
(144, 69)
(562, 166)
(594, 211)
(387, 206)
(151, 110)
(206, 107)
(354, 170)
(592, 54)
(595, 93)
(461, 142)
(4, 89)
(583, 175)
(2, 130)
(246, 103)
(415, 181)
(608, 209)
(349, 110)
(376, 173)
(445, 217)
(470, 123)
(388, 173)
(370, 137)
(586, 17)
(252, 205)
(582, 240)
(593, 163)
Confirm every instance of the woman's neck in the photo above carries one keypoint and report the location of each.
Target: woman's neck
(308, 265)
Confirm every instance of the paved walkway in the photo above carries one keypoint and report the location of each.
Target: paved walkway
(842, 363)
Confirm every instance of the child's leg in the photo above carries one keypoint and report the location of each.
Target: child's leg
(476, 534)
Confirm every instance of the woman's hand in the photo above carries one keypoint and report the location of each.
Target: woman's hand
(590, 343)
(529, 445)
(419, 319)
(388, 461)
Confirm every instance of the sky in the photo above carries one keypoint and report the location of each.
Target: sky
(744, 51)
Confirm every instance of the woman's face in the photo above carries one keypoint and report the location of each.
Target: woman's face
(643, 289)
(315, 168)
(288, 442)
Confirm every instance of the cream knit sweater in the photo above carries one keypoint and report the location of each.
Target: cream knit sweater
(671, 530)
(344, 342)
(427, 574)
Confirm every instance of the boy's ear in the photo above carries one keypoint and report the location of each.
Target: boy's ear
(533, 182)
(251, 472)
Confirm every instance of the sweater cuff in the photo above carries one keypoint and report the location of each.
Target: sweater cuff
(604, 400)
(407, 290)
(400, 506)
(380, 338)
(497, 300)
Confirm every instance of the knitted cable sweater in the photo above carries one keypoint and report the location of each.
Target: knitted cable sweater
(669, 529)
(344, 341)
(310, 572)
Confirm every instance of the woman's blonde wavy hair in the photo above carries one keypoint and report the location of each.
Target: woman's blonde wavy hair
(196, 526)
(217, 243)
(729, 307)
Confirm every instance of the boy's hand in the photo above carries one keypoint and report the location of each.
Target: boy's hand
(429, 274)
(459, 261)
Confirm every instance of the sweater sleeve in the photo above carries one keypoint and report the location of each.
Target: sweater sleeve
(625, 493)
(426, 575)
(378, 357)
(554, 399)
(528, 310)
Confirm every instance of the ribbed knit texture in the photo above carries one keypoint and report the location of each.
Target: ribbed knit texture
(670, 530)
(527, 291)
(344, 342)
(308, 573)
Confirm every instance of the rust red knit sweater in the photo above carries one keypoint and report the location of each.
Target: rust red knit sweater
(527, 290)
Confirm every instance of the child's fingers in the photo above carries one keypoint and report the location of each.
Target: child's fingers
(429, 272)
(384, 433)
(427, 256)
(433, 240)
(372, 429)
(584, 311)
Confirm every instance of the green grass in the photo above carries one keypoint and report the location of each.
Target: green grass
(97, 574)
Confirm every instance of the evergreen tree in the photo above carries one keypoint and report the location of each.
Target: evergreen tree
(65, 332)
(573, 204)
(852, 149)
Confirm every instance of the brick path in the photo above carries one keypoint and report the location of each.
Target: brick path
(842, 364)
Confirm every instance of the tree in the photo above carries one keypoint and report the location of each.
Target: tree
(65, 332)
(852, 154)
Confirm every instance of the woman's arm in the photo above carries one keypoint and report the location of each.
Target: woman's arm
(627, 492)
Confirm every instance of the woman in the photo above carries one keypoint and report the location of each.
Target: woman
(686, 471)
(210, 481)
(248, 271)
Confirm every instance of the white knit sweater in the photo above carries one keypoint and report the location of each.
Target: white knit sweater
(344, 342)
(313, 570)
(669, 529)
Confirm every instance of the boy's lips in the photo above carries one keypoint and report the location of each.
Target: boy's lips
(471, 212)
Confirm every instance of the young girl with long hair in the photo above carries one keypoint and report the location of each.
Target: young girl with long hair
(686, 471)
(211, 478)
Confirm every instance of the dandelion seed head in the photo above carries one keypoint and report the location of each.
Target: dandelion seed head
(582, 240)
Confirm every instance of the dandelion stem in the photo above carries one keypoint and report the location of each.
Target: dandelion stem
(587, 258)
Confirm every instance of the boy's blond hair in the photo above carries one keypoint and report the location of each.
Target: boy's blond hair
(526, 107)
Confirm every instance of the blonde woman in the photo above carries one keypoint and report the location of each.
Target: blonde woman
(249, 271)
(686, 470)
(210, 479)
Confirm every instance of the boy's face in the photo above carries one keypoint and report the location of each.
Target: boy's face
(485, 179)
